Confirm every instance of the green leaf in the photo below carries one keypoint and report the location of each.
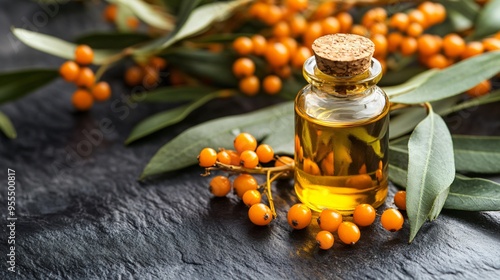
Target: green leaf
(199, 20)
(454, 79)
(468, 8)
(273, 125)
(6, 126)
(488, 21)
(221, 38)
(185, 9)
(173, 94)
(16, 84)
(56, 46)
(409, 85)
(473, 194)
(431, 170)
(493, 96)
(112, 40)
(169, 117)
(147, 13)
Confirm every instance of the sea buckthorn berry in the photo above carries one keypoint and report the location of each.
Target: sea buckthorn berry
(364, 215)
(251, 197)
(82, 100)
(472, 49)
(434, 12)
(348, 233)
(300, 56)
(345, 20)
(277, 54)
(400, 200)
(281, 29)
(428, 44)
(290, 44)
(265, 153)
(328, 164)
(110, 13)
(480, 89)
(249, 159)
(325, 239)
(235, 157)
(439, 13)
(362, 181)
(296, 5)
(283, 72)
(259, 44)
(132, 23)
(243, 45)
(157, 63)
(101, 91)
(207, 157)
(311, 167)
(258, 9)
(330, 25)
(329, 220)
(394, 41)
(84, 55)
(260, 214)
(379, 175)
(491, 44)
(224, 157)
(69, 71)
(414, 29)
(438, 61)
(245, 142)
(244, 183)
(243, 67)
(272, 15)
(134, 76)
(151, 78)
(379, 28)
(86, 78)
(249, 85)
(284, 160)
(324, 10)
(417, 16)
(392, 219)
(312, 32)
(360, 30)
(298, 25)
(299, 216)
(399, 21)
(380, 42)
(408, 46)
(272, 84)
(220, 186)
(453, 45)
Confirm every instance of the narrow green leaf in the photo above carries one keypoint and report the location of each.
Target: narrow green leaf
(473, 194)
(431, 169)
(199, 20)
(112, 40)
(273, 125)
(492, 97)
(488, 21)
(468, 8)
(409, 85)
(6, 126)
(56, 46)
(167, 118)
(16, 84)
(185, 9)
(147, 13)
(173, 94)
(454, 79)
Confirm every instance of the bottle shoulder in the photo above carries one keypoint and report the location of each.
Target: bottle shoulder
(322, 107)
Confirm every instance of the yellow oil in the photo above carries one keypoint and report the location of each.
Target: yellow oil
(341, 153)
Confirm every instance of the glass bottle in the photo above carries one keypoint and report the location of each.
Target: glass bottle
(341, 127)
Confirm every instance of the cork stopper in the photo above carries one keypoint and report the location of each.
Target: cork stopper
(343, 55)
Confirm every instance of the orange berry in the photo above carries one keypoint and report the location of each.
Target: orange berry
(417, 16)
(311, 167)
(243, 45)
(224, 157)
(284, 160)
(259, 44)
(299, 216)
(453, 45)
(69, 71)
(434, 12)
(380, 42)
(220, 186)
(260, 214)
(272, 84)
(364, 215)
(400, 200)
(439, 13)
(281, 29)
(394, 41)
(283, 72)
(134, 76)
(298, 25)
(312, 32)
(249, 85)
(277, 54)
(235, 157)
(392, 220)
(408, 46)
(472, 49)
(258, 10)
(110, 13)
(480, 89)
(84, 54)
(290, 44)
(249, 159)
(438, 61)
(245, 142)
(244, 183)
(325, 239)
(243, 67)
(345, 20)
(373, 16)
(265, 153)
(101, 91)
(151, 77)
(359, 30)
(251, 197)
(414, 29)
(348, 233)
(399, 21)
(361, 182)
(157, 63)
(86, 78)
(329, 220)
(207, 157)
(330, 25)
(273, 15)
(132, 22)
(82, 100)
(378, 28)
(491, 44)
(324, 9)
(296, 5)
(428, 44)
(300, 56)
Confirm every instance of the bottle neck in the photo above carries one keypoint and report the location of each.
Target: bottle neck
(342, 86)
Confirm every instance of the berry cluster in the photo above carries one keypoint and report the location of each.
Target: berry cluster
(110, 13)
(79, 73)
(145, 74)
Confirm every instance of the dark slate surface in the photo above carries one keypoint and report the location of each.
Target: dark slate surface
(86, 217)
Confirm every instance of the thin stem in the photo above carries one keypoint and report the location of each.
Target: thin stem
(270, 195)
(256, 170)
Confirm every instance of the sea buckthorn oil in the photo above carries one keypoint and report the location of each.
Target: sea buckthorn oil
(341, 127)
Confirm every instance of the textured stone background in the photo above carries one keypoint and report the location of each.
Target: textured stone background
(88, 217)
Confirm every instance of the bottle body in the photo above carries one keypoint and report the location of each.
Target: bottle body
(341, 141)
